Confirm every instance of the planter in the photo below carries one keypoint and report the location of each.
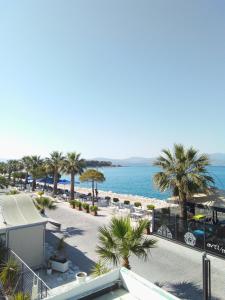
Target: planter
(147, 231)
(94, 213)
(49, 271)
(81, 277)
(60, 266)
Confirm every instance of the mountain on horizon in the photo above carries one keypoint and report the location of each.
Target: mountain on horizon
(217, 159)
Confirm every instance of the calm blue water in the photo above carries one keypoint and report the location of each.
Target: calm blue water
(138, 180)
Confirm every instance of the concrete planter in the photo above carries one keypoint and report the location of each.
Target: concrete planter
(60, 266)
(81, 277)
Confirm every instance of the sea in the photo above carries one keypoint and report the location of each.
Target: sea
(138, 180)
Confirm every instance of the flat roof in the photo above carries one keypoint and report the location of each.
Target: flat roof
(16, 210)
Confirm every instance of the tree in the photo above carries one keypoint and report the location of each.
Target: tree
(73, 165)
(119, 240)
(55, 165)
(13, 165)
(36, 169)
(44, 202)
(3, 168)
(26, 161)
(184, 172)
(3, 182)
(99, 269)
(92, 175)
(9, 275)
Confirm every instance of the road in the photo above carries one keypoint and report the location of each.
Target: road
(173, 267)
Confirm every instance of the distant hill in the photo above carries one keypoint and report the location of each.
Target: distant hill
(217, 159)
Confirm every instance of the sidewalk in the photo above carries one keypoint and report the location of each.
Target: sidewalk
(177, 268)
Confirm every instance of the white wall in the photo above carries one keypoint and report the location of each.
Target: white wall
(75, 290)
(28, 244)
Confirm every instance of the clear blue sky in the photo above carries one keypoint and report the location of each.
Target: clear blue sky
(114, 78)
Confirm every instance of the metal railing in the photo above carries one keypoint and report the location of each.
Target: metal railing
(28, 282)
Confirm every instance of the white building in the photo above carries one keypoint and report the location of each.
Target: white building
(22, 228)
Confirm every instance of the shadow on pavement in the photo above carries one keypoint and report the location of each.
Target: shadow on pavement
(77, 257)
(184, 290)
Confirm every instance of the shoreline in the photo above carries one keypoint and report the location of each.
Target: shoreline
(132, 198)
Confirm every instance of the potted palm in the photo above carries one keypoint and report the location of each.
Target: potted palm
(72, 203)
(78, 205)
(94, 210)
(59, 262)
(85, 207)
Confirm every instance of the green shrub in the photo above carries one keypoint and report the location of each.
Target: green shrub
(126, 202)
(12, 192)
(137, 204)
(40, 193)
(72, 203)
(94, 208)
(79, 204)
(86, 207)
(150, 207)
(116, 200)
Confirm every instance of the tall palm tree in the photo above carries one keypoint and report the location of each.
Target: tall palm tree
(184, 172)
(35, 169)
(26, 160)
(73, 165)
(13, 165)
(119, 240)
(55, 165)
(92, 175)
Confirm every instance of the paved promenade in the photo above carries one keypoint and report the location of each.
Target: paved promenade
(174, 267)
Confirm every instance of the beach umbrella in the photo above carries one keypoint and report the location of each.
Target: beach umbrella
(64, 182)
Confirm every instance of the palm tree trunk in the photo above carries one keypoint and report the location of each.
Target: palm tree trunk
(183, 207)
(26, 181)
(93, 193)
(34, 184)
(126, 263)
(55, 183)
(72, 179)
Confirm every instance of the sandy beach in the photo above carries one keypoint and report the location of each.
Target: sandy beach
(132, 198)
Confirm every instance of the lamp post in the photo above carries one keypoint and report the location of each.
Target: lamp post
(206, 277)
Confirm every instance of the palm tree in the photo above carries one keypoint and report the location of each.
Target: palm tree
(26, 160)
(55, 165)
(3, 168)
(99, 269)
(9, 275)
(184, 172)
(92, 175)
(119, 240)
(3, 182)
(73, 165)
(35, 169)
(12, 166)
(44, 202)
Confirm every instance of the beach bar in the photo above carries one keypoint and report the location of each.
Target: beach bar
(204, 228)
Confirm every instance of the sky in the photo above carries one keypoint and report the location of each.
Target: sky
(115, 79)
